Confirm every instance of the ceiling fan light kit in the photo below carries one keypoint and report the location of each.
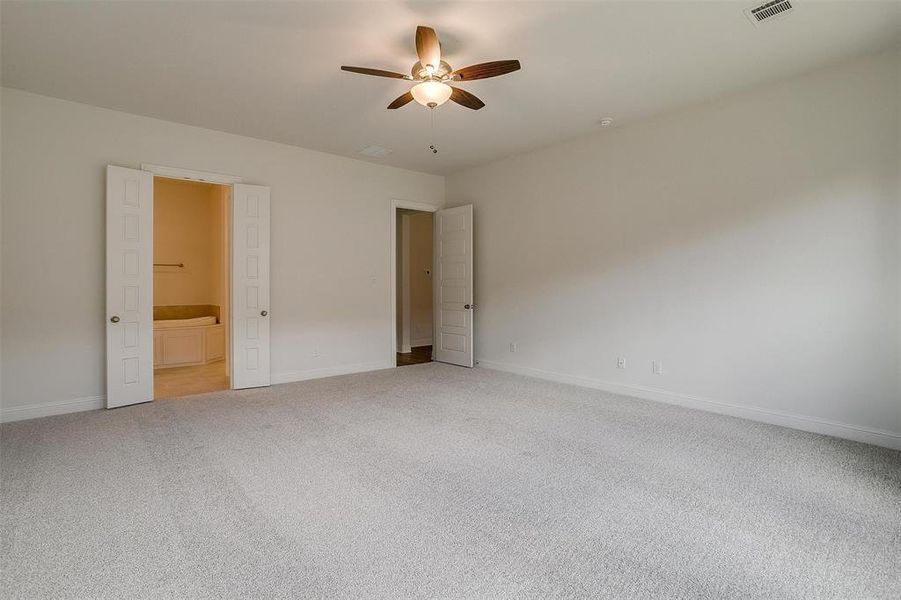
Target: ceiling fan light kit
(433, 75)
(431, 93)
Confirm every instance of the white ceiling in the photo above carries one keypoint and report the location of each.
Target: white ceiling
(270, 69)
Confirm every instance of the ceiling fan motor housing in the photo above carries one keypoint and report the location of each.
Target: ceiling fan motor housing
(442, 73)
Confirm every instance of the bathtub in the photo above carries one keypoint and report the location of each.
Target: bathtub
(186, 342)
(175, 323)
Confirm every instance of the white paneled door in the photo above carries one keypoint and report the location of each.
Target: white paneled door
(250, 286)
(129, 286)
(453, 257)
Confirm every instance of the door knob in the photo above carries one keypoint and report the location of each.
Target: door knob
(469, 306)
(114, 319)
(263, 313)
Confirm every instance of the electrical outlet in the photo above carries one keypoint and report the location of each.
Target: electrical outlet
(512, 346)
(657, 367)
(316, 353)
(621, 362)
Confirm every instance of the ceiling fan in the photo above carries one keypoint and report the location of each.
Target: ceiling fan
(432, 75)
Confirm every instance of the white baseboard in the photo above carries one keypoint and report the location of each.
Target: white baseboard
(292, 376)
(421, 342)
(20, 413)
(61, 407)
(857, 433)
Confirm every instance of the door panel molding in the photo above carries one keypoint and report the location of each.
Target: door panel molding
(453, 340)
(250, 364)
(129, 286)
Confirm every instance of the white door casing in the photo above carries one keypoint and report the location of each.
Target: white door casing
(129, 286)
(250, 286)
(453, 294)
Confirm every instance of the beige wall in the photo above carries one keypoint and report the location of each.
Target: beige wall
(420, 280)
(750, 244)
(414, 281)
(187, 228)
(221, 199)
(401, 324)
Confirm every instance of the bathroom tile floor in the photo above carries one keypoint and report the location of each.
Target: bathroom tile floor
(175, 382)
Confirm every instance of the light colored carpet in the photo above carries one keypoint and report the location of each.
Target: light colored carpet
(433, 481)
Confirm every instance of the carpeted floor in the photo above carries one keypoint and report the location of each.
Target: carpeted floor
(434, 481)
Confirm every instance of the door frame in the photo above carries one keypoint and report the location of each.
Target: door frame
(217, 179)
(393, 206)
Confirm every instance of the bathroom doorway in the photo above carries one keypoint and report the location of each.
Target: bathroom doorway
(140, 341)
(191, 282)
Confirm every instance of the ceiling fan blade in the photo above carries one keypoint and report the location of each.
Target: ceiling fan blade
(464, 98)
(375, 72)
(427, 46)
(486, 70)
(401, 101)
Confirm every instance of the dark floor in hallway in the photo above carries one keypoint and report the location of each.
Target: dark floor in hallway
(417, 356)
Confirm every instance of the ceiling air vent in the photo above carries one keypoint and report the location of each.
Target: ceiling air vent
(374, 151)
(769, 11)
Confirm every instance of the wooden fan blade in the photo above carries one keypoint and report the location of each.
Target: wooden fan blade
(401, 101)
(486, 70)
(428, 47)
(375, 72)
(464, 98)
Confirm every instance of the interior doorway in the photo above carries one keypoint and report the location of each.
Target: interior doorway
(447, 264)
(241, 309)
(191, 282)
(414, 287)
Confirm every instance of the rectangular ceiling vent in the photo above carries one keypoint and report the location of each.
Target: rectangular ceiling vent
(769, 11)
(374, 151)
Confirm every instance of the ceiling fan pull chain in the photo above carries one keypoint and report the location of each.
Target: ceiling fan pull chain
(432, 131)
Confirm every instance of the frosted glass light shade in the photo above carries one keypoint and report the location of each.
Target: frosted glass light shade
(431, 93)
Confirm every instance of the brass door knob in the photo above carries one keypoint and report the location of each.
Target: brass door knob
(114, 319)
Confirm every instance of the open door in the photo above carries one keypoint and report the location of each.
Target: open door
(250, 286)
(453, 299)
(129, 286)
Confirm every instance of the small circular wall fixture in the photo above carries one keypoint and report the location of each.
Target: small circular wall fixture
(606, 122)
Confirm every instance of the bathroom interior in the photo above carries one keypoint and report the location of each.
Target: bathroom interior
(190, 287)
